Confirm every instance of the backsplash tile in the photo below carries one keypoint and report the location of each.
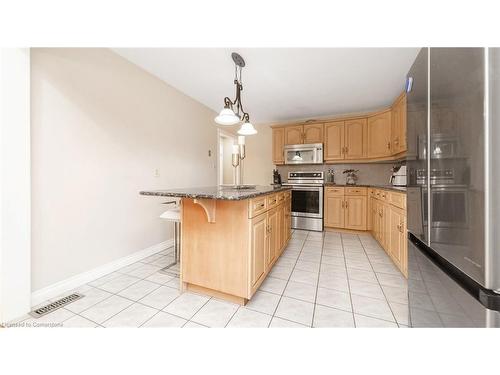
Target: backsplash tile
(369, 173)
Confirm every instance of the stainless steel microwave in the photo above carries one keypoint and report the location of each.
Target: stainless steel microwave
(304, 154)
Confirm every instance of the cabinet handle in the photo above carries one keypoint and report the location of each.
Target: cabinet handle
(346, 150)
(342, 204)
(346, 204)
(389, 145)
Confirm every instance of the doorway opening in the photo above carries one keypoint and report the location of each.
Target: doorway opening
(225, 170)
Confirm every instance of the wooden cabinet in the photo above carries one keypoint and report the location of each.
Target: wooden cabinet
(334, 141)
(334, 211)
(258, 248)
(398, 131)
(346, 140)
(269, 233)
(308, 133)
(379, 135)
(278, 144)
(388, 215)
(345, 207)
(355, 212)
(397, 240)
(355, 138)
(294, 135)
(313, 133)
(273, 236)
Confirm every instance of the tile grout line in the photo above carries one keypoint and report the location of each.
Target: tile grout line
(380, 285)
(347, 277)
(317, 281)
(288, 280)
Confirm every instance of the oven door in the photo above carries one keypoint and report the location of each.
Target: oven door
(307, 201)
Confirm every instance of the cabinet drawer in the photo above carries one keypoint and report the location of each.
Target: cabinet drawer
(272, 200)
(257, 206)
(397, 199)
(372, 193)
(334, 191)
(355, 191)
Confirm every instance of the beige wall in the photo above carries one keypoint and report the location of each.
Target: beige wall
(258, 164)
(101, 127)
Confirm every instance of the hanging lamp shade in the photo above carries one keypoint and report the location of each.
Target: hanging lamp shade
(247, 129)
(227, 117)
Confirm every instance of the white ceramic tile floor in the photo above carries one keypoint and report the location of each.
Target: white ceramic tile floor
(328, 279)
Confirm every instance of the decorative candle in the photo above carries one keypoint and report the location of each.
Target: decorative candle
(241, 139)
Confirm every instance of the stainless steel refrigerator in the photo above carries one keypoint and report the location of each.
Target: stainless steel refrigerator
(453, 194)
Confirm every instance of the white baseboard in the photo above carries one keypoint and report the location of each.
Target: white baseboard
(71, 283)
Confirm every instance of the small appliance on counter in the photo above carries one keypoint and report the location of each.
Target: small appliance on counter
(276, 177)
(398, 177)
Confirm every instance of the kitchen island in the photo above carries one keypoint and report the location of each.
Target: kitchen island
(230, 238)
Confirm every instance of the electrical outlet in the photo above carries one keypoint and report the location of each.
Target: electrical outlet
(157, 172)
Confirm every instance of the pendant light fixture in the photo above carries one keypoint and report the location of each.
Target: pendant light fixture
(233, 112)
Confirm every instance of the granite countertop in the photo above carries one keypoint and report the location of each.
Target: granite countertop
(217, 192)
(386, 187)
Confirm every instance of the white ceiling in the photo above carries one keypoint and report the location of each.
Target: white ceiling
(282, 84)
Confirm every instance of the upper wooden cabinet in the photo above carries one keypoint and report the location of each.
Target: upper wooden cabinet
(299, 134)
(294, 135)
(345, 140)
(313, 133)
(398, 136)
(334, 141)
(278, 144)
(379, 135)
(355, 138)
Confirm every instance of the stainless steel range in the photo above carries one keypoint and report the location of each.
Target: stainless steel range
(307, 200)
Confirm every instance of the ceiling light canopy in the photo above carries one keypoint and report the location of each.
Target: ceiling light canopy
(233, 112)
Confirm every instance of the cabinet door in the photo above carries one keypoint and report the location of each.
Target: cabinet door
(355, 139)
(334, 141)
(379, 135)
(402, 123)
(288, 220)
(396, 236)
(259, 243)
(396, 127)
(386, 225)
(281, 227)
(293, 135)
(313, 133)
(334, 211)
(274, 236)
(278, 143)
(355, 212)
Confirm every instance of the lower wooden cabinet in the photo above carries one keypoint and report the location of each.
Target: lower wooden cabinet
(269, 235)
(258, 240)
(345, 207)
(273, 237)
(355, 212)
(388, 220)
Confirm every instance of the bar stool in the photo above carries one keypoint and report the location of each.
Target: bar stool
(173, 214)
